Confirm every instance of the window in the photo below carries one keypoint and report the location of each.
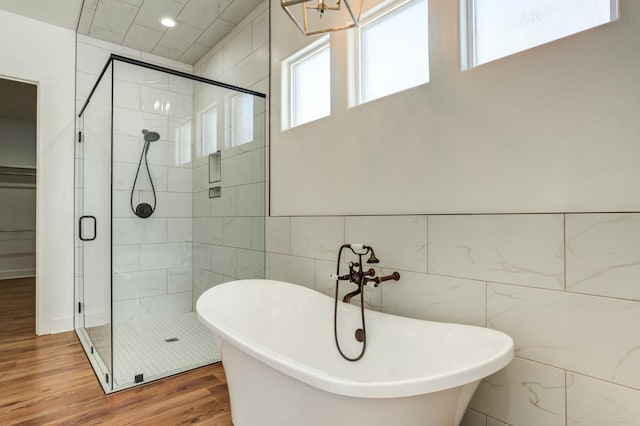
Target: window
(498, 28)
(183, 147)
(394, 50)
(241, 119)
(307, 84)
(210, 131)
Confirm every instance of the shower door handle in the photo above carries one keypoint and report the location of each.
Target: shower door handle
(95, 227)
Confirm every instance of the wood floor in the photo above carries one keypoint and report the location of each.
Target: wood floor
(47, 380)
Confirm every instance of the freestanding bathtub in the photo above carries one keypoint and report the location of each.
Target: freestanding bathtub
(283, 369)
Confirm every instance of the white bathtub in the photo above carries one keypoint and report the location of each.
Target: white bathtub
(283, 368)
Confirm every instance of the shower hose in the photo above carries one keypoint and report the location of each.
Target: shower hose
(143, 210)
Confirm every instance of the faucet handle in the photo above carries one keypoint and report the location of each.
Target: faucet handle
(339, 277)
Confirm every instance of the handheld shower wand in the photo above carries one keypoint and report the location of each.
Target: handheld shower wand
(144, 210)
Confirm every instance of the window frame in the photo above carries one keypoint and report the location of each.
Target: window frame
(468, 43)
(287, 79)
(375, 13)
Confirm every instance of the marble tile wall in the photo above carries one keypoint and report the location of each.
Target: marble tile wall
(229, 232)
(564, 286)
(148, 99)
(152, 258)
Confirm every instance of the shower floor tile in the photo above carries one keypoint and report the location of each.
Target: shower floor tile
(157, 347)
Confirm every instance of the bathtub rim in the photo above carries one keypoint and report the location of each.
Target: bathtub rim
(338, 385)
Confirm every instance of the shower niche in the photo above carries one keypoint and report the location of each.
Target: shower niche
(149, 237)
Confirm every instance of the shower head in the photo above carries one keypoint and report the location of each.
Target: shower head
(150, 136)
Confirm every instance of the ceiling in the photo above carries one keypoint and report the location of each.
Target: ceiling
(61, 13)
(136, 24)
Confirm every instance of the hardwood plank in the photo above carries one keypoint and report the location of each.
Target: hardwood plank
(48, 380)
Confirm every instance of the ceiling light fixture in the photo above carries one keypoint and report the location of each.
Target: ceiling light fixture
(168, 22)
(322, 16)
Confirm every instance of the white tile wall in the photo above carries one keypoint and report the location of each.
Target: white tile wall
(317, 237)
(399, 241)
(524, 393)
(517, 249)
(592, 402)
(603, 254)
(435, 298)
(586, 334)
(589, 341)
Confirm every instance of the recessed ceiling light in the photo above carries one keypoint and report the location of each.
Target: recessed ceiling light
(168, 22)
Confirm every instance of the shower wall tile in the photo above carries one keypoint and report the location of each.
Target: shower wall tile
(201, 255)
(181, 85)
(603, 254)
(174, 204)
(126, 149)
(435, 298)
(125, 311)
(208, 230)
(143, 76)
(570, 330)
(237, 170)
(399, 241)
(516, 249)
(223, 260)
(177, 303)
(251, 199)
(179, 280)
(244, 232)
(226, 205)
(317, 237)
(179, 180)
(126, 95)
(277, 235)
(126, 258)
(139, 231)
(251, 69)
(179, 229)
(166, 153)
(260, 30)
(169, 255)
(209, 279)
(293, 269)
(251, 264)
(473, 418)
(133, 285)
(524, 393)
(160, 101)
(592, 402)
(123, 176)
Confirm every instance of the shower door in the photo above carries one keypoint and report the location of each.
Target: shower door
(93, 204)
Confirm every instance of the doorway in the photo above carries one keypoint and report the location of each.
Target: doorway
(18, 135)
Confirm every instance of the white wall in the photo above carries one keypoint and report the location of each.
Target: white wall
(502, 137)
(44, 54)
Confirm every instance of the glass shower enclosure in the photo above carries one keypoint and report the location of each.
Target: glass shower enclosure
(170, 201)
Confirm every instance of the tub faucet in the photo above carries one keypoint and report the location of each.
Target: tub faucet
(360, 277)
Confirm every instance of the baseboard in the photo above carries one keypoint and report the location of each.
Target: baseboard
(60, 325)
(17, 273)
